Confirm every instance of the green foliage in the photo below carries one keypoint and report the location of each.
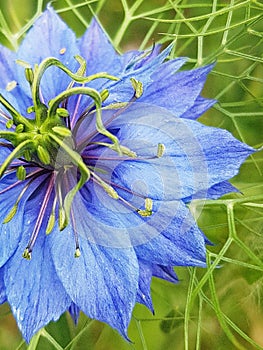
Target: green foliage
(215, 308)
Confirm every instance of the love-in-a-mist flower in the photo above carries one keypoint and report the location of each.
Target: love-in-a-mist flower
(100, 153)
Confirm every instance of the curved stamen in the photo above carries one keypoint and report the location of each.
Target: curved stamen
(77, 77)
(17, 117)
(14, 154)
(95, 95)
(122, 107)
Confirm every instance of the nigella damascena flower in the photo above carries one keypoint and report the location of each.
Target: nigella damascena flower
(100, 153)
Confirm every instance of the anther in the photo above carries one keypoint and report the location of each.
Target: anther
(27, 254)
(9, 124)
(20, 128)
(21, 173)
(43, 155)
(77, 252)
(29, 74)
(11, 85)
(62, 51)
(160, 150)
(138, 87)
(62, 112)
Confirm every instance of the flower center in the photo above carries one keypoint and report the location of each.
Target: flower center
(48, 143)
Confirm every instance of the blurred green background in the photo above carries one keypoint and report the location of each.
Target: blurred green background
(214, 308)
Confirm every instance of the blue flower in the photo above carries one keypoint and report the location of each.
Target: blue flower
(100, 153)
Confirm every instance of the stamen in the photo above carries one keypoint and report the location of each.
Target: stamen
(107, 188)
(13, 210)
(52, 218)
(73, 221)
(41, 215)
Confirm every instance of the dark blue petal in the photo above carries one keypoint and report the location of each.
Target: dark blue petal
(177, 93)
(2, 287)
(48, 36)
(165, 272)
(7, 66)
(144, 292)
(214, 192)
(74, 311)
(102, 282)
(97, 50)
(34, 292)
(168, 69)
(146, 57)
(200, 106)
(122, 91)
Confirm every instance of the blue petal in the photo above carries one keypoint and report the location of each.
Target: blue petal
(110, 223)
(180, 241)
(168, 68)
(221, 189)
(48, 36)
(34, 292)
(196, 157)
(102, 282)
(177, 93)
